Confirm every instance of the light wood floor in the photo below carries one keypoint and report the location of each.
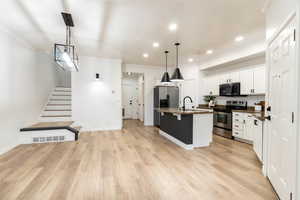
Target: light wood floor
(135, 163)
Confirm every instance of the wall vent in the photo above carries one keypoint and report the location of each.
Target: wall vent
(48, 139)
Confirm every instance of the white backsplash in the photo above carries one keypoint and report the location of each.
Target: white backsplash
(250, 99)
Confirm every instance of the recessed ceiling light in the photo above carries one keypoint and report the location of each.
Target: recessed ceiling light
(239, 38)
(145, 55)
(173, 27)
(209, 52)
(155, 44)
(191, 60)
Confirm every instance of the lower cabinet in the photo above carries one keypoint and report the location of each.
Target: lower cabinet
(258, 138)
(242, 126)
(247, 127)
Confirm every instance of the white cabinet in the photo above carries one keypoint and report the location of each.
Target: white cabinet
(234, 77)
(247, 127)
(253, 81)
(258, 138)
(231, 77)
(248, 130)
(246, 77)
(242, 126)
(259, 80)
(211, 85)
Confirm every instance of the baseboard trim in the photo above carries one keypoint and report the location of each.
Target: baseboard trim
(176, 141)
(8, 148)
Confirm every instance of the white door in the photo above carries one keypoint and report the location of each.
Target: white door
(130, 101)
(246, 77)
(259, 80)
(283, 101)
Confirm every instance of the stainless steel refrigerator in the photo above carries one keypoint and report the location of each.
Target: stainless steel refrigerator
(165, 97)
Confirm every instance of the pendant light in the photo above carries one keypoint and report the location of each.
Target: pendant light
(177, 76)
(166, 77)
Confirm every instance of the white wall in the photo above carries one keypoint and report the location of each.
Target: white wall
(152, 75)
(26, 79)
(96, 105)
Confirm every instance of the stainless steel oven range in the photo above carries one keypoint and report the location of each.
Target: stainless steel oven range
(223, 117)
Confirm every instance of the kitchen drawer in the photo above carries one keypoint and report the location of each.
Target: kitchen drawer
(238, 126)
(238, 120)
(237, 114)
(238, 133)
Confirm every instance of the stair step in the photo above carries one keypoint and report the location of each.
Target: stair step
(57, 110)
(51, 124)
(58, 104)
(78, 128)
(60, 99)
(62, 95)
(56, 116)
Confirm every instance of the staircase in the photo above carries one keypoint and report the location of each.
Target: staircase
(55, 123)
(58, 107)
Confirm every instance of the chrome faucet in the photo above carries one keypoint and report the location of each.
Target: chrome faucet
(187, 97)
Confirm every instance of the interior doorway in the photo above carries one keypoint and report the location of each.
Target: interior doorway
(133, 96)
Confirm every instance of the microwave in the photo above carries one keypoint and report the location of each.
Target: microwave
(230, 89)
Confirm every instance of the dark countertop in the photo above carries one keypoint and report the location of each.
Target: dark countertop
(181, 112)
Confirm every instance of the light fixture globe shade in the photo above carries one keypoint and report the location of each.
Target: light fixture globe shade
(165, 78)
(177, 76)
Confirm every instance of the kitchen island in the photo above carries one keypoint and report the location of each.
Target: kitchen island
(188, 129)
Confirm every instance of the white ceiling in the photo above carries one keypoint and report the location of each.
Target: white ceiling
(126, 29)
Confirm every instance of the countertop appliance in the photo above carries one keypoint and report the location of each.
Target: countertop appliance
(223, 117)
(230, 89)
(165, 97)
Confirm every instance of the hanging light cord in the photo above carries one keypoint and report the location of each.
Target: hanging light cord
(166, 60)
(177, 56)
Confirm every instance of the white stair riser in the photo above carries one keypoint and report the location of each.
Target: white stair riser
(27, 137)
(59, 101)
(58, 107)
(57, 113)
(55, 119)
(61, 97)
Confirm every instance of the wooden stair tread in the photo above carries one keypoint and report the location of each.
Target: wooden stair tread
(60, 99)
(58, 110)
(56, 116)
(51, 124)
(61, 95)
(77, 127)
(58, 104)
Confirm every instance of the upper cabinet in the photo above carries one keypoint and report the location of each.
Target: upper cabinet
(253, 81)
(232, 77)
(259, 83)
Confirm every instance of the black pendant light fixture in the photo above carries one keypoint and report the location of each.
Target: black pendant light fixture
(177, 76)
(166, 77)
